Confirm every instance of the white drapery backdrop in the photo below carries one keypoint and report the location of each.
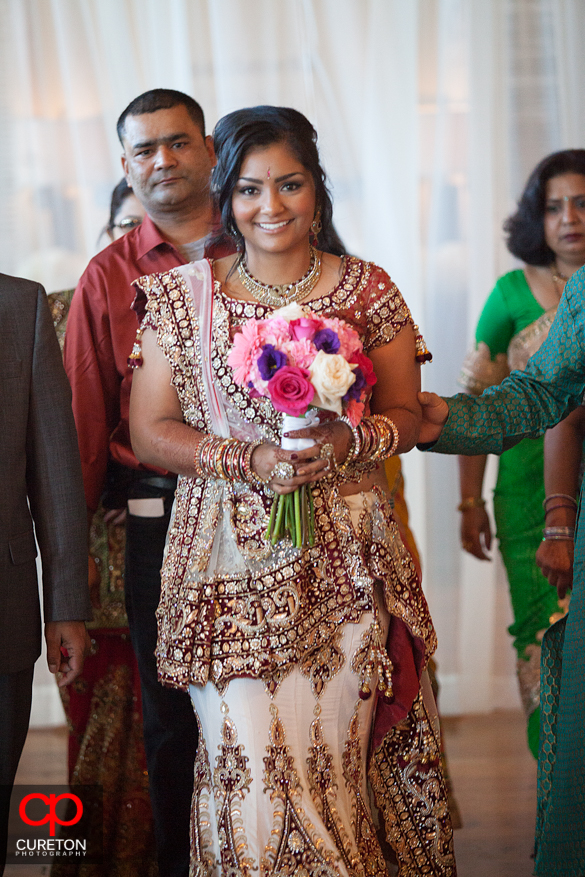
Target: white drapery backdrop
(430, 114)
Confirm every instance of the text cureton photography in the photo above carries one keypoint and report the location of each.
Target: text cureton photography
(52, 823)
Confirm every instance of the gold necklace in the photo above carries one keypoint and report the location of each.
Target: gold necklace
(279, 295)
(556, 274)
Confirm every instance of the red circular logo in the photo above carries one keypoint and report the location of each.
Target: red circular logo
(51, 801)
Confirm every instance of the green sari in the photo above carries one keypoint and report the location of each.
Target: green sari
(511, 328)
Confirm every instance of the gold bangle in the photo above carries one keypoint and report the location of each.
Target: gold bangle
(471, 502)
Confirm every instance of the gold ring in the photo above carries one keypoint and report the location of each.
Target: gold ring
(283, 470)
(327, 452)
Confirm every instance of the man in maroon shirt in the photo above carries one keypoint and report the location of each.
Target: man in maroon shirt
(167, 161)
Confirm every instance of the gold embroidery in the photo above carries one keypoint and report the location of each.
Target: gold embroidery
(323, 664)
(293, 848)
(479, 371)
(231, 782)
(202, 856)
(323, 787)
(407, 779)
(528, 340)
(364, 829)
(273, 608)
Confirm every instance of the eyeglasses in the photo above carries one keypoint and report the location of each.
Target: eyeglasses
(127, 222)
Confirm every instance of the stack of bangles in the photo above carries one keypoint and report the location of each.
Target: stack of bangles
(558, 501)
(374, 438)
(225, 458)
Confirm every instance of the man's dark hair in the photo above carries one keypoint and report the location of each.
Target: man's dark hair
(161, 99)
(525, 228)
(254, 128)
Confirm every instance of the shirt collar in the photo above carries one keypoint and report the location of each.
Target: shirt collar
(148, 237)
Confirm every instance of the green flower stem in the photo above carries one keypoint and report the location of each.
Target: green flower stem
(293, 515)
(298, 534)
(270, 527)
(278, 525)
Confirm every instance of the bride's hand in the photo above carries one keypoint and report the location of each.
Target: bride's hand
(271, 463)
(435, 412)
(328, 432)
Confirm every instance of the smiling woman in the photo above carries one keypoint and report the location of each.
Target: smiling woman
(305, 661)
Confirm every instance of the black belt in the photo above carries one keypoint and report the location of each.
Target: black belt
(160, 482)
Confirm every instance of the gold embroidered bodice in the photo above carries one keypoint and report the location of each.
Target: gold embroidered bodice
(231, 604)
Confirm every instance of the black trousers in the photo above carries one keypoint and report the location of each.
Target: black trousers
(15, 701)
(170, 727)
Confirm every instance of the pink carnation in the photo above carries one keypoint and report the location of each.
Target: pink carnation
(291, 390)
(300, 353)
(246, 349)
(274, 331)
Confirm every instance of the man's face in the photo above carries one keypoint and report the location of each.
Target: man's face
(167, 161)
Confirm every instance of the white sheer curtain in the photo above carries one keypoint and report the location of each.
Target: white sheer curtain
(430, 115)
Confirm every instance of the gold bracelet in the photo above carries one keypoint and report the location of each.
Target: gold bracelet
(471, 502)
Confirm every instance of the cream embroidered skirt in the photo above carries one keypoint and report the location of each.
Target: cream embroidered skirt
(280, 785)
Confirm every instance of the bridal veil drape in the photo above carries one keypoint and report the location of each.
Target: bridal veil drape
(430, 114)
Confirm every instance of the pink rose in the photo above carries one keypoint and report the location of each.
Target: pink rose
(365, 364)
(303, 328)
(291, 391)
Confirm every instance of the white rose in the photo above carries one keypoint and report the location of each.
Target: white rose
(290, 312)
(332, 376)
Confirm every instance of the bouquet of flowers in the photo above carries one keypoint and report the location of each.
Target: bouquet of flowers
(301, 361)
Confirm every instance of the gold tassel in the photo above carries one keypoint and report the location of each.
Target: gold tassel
(423, 354)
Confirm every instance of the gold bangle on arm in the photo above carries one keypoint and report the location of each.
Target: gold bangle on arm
(356, 443)
(471, 502)
(225, 458)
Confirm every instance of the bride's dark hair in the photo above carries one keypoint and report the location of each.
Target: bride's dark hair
(257, 127)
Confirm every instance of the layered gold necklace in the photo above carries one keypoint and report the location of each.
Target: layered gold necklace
(279, 295)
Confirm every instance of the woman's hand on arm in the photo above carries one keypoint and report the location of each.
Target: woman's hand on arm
(476, 534)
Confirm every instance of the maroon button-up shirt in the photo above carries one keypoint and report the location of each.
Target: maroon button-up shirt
(101, 329)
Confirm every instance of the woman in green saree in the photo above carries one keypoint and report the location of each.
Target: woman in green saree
(548, 233)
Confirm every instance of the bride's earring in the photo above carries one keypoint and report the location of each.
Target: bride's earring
(316, 226)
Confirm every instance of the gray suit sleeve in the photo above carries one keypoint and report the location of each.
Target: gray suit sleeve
(54, 483)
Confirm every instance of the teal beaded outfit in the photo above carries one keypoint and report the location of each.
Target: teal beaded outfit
(525, 405)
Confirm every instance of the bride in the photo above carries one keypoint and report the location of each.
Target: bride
(318, 748)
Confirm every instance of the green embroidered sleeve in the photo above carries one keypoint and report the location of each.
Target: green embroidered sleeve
(529, 402)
